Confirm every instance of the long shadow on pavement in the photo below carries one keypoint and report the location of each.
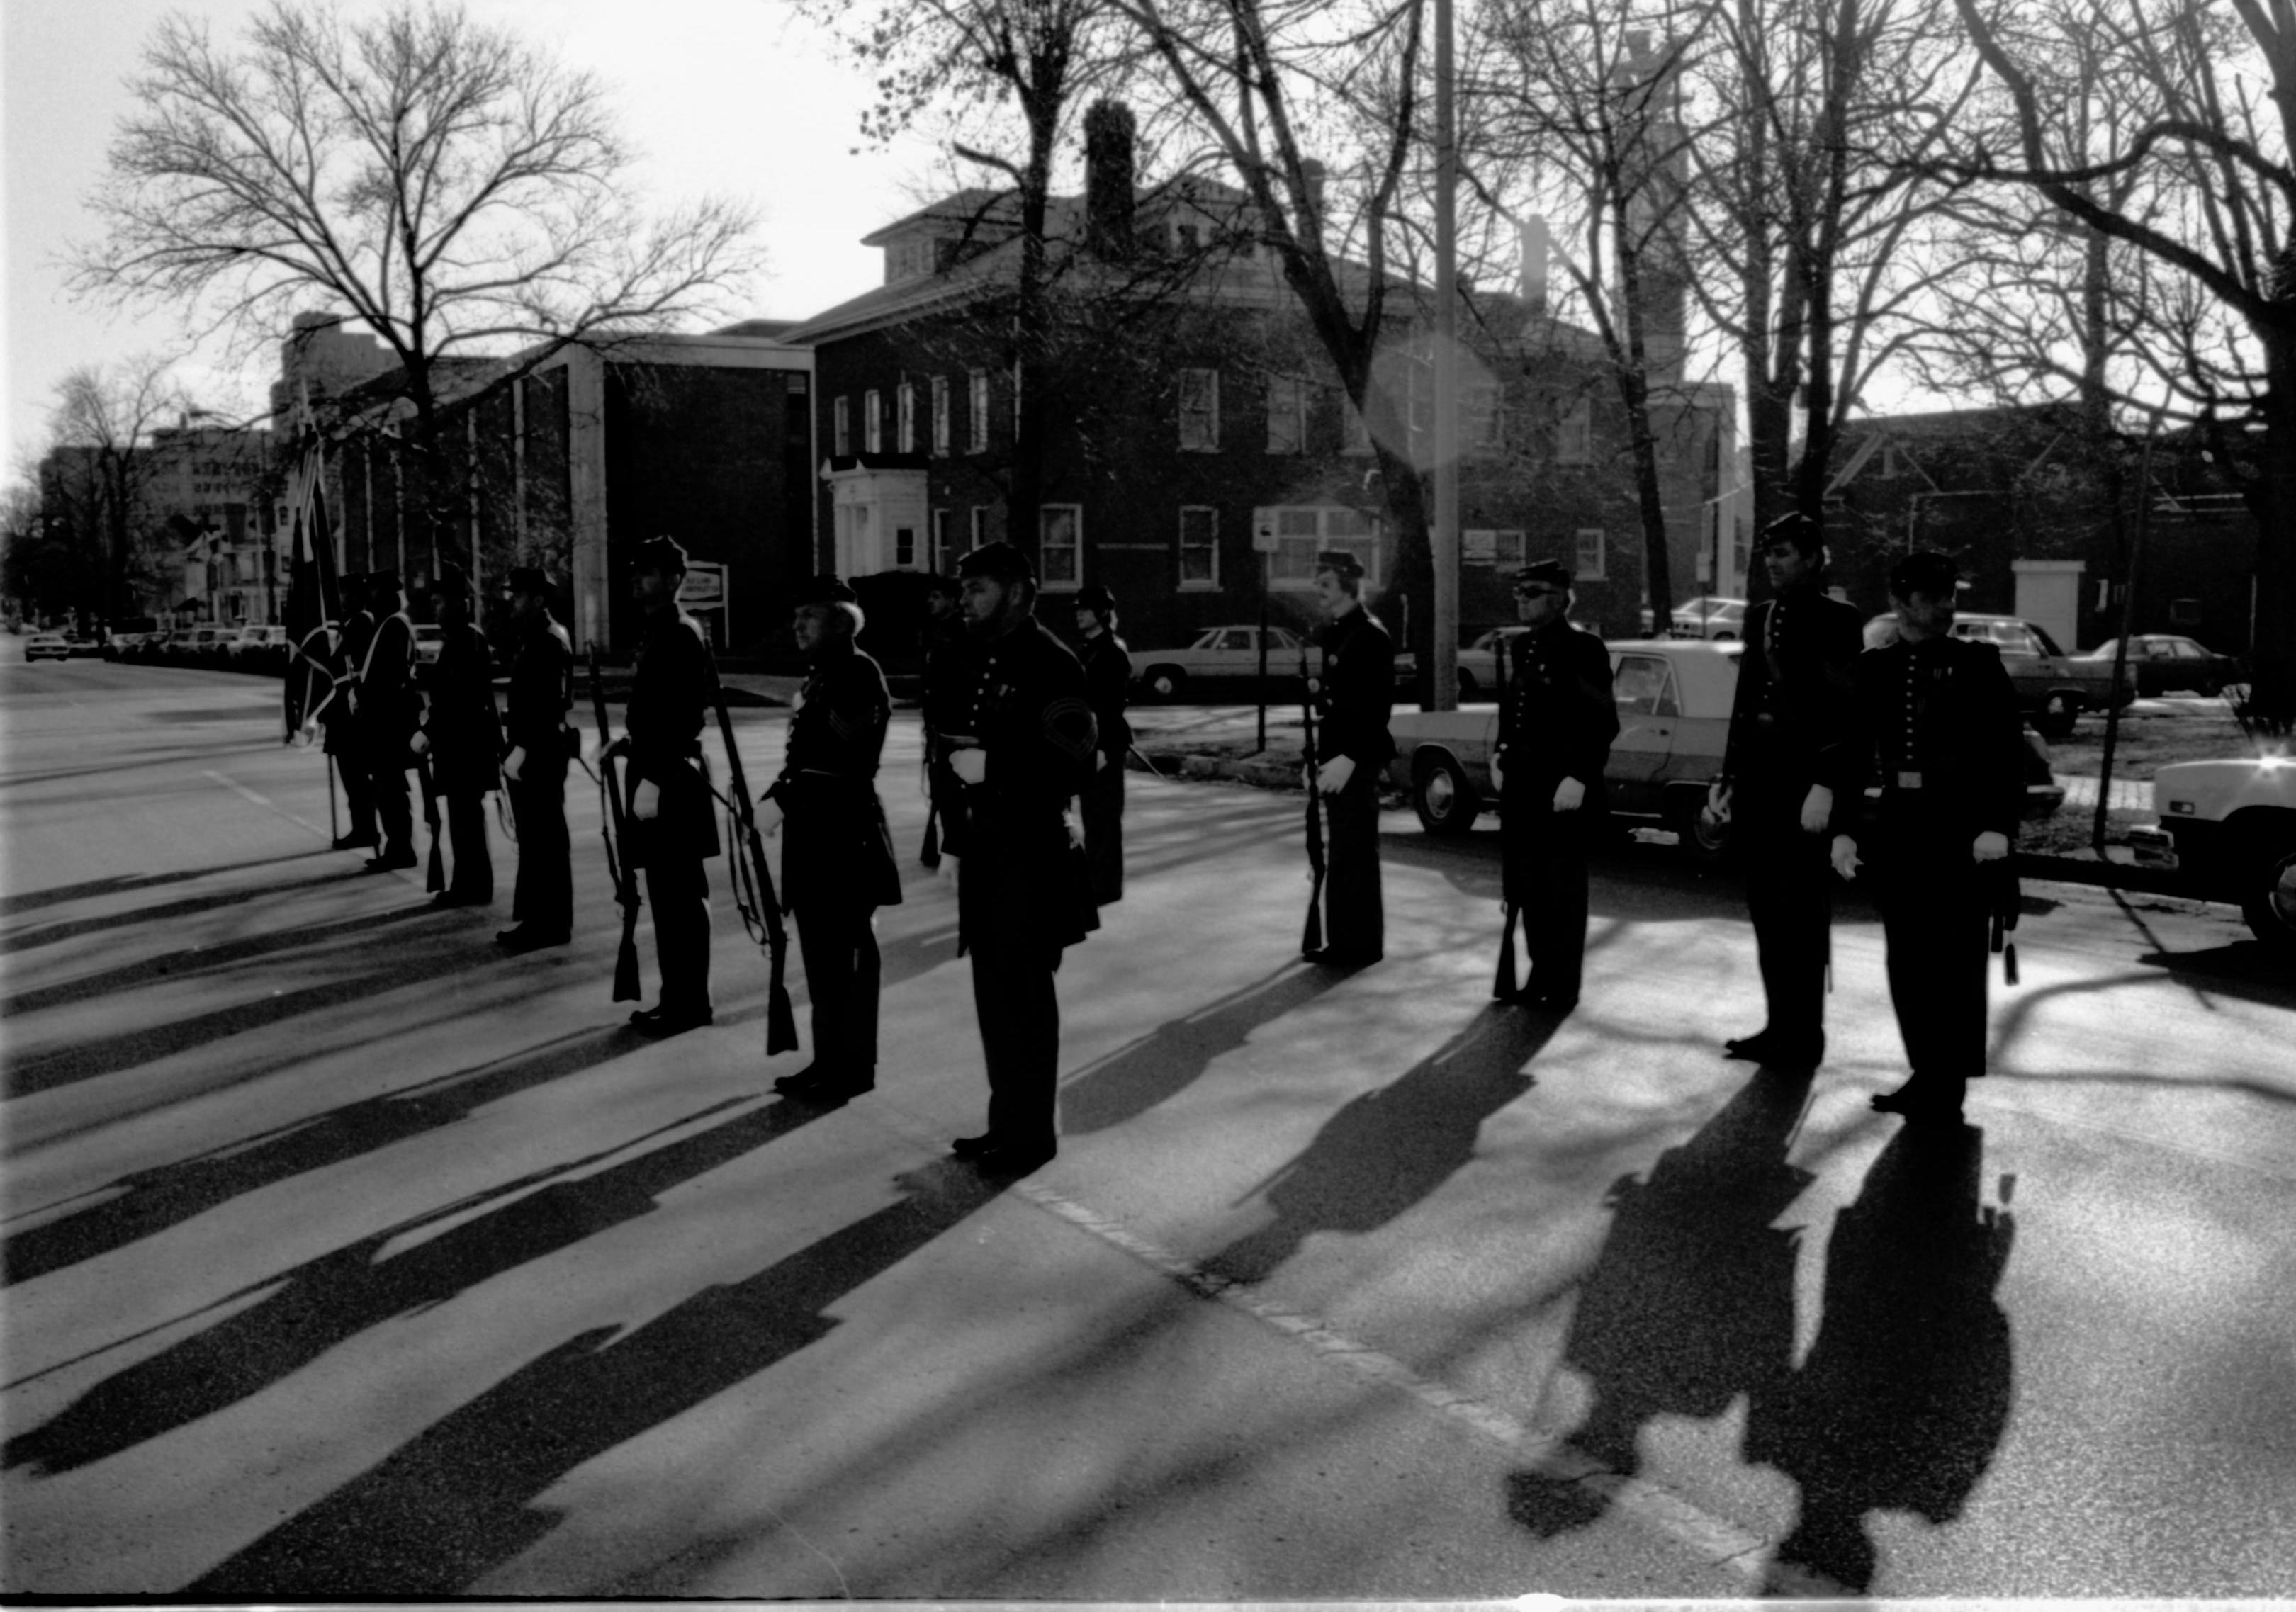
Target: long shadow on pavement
(1390, 1149)
(1691, 1302)
(151, 1202)
(32, 900)
(49, 934)
(401, 960)
(458, 1500)
(1906, 1392)
(331, 1299)
(1171, 1058)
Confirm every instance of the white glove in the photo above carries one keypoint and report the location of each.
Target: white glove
(1990, 846)
(420, 743)
(1816, 809)
(1498, 776)
(972, 766)
(1335, 773)
(1074, 820)
(947, 872)
(515, 763)
(645, 801)
(1718, 800)
(769, 816)
(1569, 794)
(1845, 857)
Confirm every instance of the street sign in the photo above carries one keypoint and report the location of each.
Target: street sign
(705, 586)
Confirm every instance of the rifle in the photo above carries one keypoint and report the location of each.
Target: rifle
(749, 848)
(929, 852)
(615, 832)
(1505, 987)
(435, 878)
(2008, 895)
(1311, 937)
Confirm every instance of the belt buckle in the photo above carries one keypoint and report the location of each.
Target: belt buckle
(1910, 781)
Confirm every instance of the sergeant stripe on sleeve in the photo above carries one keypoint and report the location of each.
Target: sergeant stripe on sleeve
(1070, 727)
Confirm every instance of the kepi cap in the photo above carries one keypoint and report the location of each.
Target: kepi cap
(1795, 527)
(998, 562)
(663, 553)
(525, 579)
(1542, 573)
(824, 589)
(1927, 572)
(451, 580)
(1094, 597)
(1340, 562)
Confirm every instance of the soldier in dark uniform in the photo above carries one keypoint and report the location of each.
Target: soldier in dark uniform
(1354, 696)
(1022, 754)
(1555, 729)
(944, 647)
(388, 709)
(462, 735)
(534, 771)
(342, 728)
(673, 829)
(1787, 725)
(1107, 676)
(1937, 726)
(837, 862)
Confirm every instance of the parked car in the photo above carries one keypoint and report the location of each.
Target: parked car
(1710, 616)
(47, 646)
(125, 638)
(257, 649)
(2227, 831)
(1673, 697)
(1479, 664)
(1218, 654)
(2162, 663)
(2053, 688)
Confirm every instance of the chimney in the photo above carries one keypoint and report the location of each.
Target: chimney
(1534, 265)
(1108, 137)
(1311, 206)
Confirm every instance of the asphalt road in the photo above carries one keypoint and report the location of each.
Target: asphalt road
(345, 1258)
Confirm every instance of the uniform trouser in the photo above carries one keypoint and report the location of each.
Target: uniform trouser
(1790, 898)
(838, 942)
(1935, 918)
(358, 792)
(474, 864)
(1354, 919)
(678, 887)
(1546, 856)
(545, 894)
(394, 805)
(1103, 831)
(1020, 1013)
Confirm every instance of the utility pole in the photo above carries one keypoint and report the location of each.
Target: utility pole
(1443, 685)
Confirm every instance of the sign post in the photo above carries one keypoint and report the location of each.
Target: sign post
(704, 597)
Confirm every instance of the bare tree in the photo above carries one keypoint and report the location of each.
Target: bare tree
(95, 477)
(2201, 182)
(451, 187)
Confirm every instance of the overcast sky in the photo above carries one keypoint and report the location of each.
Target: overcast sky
(731, 97)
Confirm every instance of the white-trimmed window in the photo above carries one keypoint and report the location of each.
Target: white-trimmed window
(840, 425)
(1199, 547)
(1287, 415)
(1483, 546)
(904, 548)
(1589, 565)
(873, 428)
(942, 529)
(905, 417)
(1060, 545)
(1200, 411)
(941, 414)
(1574, 433)
(979, 524)
(1480, 428)
(1304, 531)
(977, 414)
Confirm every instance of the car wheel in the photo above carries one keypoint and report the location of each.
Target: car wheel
(2055, 718)
(1725, 637)
(2270, 908)
(1165, 682)
(1704, 842)
(1444, 800)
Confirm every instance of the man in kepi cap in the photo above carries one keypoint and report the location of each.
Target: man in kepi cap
(1788, 721)
(539, 745)
(673, 829)
(1936, 725)
(342, 743)
(1022, 754)
(1555, 729)
(837, 862)
(1354, 697)
(463, 736)
(1107, 675)
(389, 706)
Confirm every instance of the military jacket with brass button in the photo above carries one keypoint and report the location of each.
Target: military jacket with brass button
(1791, 715)
(1558, 717)
(465, 732)
(673, 690)
(1356, 695)
(837, 845)
(1107, 675)
(541, 693)
(1936, 725)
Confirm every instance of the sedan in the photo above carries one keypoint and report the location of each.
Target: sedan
(47, 646)
(1226, 654)
(1721, 619)
(2161, 663)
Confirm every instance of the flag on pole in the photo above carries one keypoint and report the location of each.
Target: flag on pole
(314, 594)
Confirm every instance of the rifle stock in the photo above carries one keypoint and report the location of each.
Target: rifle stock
(615, 826)
(434, 879)
(781, 1020)
(1311, 937)
(1505, 987)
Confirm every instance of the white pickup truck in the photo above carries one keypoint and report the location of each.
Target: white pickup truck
(2228, 832)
